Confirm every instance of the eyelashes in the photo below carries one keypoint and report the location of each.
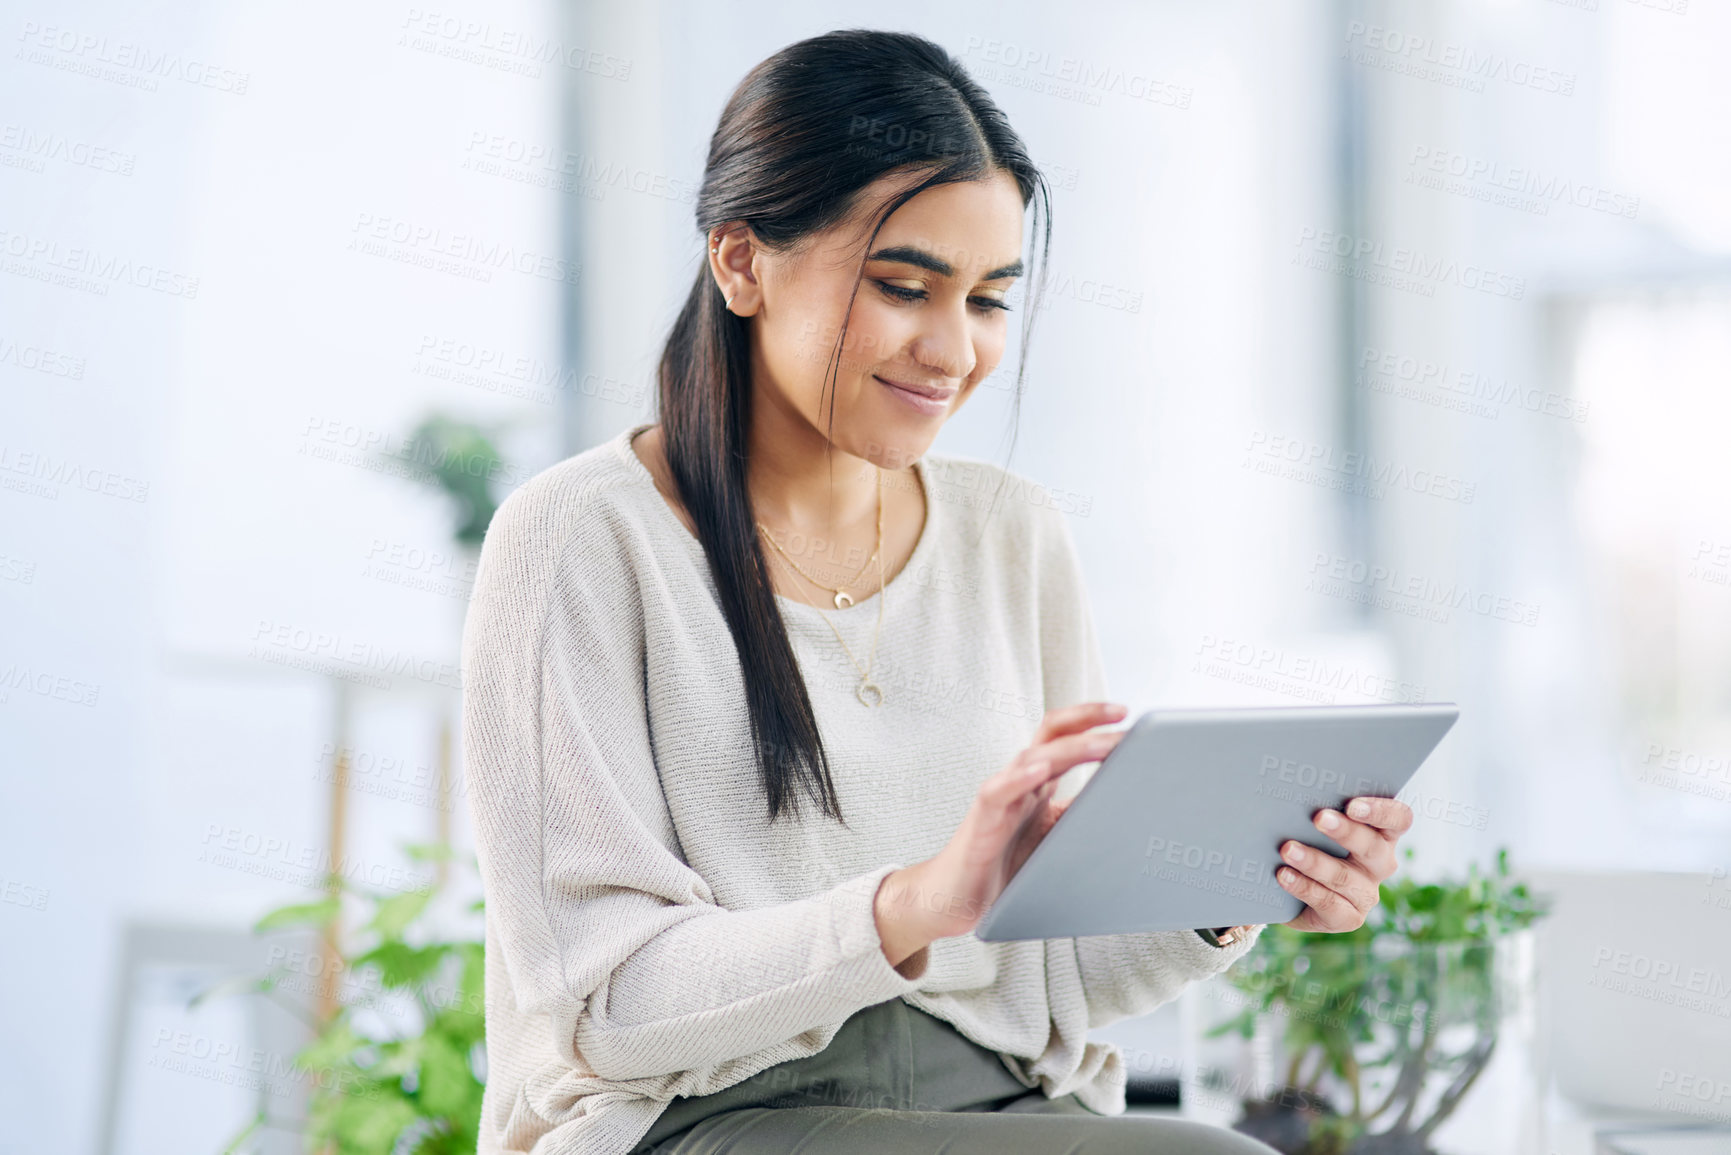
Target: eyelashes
(897, 293)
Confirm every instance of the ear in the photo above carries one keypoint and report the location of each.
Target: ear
(733, 254)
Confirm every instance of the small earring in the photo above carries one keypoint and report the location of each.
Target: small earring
(728, 302)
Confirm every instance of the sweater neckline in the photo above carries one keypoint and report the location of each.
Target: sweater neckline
(922, 548)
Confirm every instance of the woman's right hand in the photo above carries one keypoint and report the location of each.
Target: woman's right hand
(948, 894)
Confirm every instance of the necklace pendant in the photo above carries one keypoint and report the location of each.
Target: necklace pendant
(842, 600)
(869, 693)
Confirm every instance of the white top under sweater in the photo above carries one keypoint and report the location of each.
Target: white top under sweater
(648, 932)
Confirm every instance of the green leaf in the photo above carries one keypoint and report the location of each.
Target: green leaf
(412, 1095)
(369, 1123)
(395, 913)
(401, 965)
(317, 913)
(397, 1058)
(446, 1080)
(332, 1049)
(258, 1121)
(461, 459)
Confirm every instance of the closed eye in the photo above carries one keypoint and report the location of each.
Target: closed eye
(897, 293)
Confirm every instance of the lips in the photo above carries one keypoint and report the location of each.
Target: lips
(930, 392)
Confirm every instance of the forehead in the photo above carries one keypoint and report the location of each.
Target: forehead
(972, 226)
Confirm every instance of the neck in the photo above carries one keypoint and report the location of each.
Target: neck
(800, 481)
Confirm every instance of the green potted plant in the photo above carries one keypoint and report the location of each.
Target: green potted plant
(460, 459)
(1372, 1039)
(378, 1090)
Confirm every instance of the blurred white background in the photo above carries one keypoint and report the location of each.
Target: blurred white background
(1410, 380)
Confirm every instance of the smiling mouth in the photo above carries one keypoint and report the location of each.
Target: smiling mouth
(928, 392)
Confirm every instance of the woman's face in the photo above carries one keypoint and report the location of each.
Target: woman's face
(929, 315)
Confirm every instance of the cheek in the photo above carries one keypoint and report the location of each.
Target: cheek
(876, 334)
(801, 350)
(797, 349)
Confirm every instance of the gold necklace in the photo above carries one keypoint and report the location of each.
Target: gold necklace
(843, 599)
(868, 692)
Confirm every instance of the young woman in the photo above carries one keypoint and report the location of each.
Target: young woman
(765, 703)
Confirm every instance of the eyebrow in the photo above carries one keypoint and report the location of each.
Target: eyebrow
(909, 255)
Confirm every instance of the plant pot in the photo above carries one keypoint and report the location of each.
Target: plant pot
(1325, 1045)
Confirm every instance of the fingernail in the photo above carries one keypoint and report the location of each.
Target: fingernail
(1036, 769)
(1328, 820)
(1295, 852)
(1359, 808)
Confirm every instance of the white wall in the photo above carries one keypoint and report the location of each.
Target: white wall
(315, 123)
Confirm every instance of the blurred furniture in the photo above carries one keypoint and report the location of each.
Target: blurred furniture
(1635, 1010)
(182, 1078)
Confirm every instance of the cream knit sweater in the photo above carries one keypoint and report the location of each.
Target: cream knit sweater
(648, 933)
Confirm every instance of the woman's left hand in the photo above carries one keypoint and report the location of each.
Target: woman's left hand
(1339, 894)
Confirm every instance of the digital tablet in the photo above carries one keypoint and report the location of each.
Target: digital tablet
(1181, 824)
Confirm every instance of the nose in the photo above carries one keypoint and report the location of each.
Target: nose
(945, 344)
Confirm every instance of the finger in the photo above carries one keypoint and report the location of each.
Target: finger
(1032, 829)
(1052, 811)
(1074, 749)
(1328, 910)
(1056, 756)
(1009, 796)
(1048, 814)
(1008, 792)
(1025, 826)
(1081, 716)
(1367, 845)
(1345, 877)
(1389, 815)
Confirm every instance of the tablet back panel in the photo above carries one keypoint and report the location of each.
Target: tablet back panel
(1181, 825)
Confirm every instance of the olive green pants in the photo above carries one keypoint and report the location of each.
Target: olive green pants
(896, 1079)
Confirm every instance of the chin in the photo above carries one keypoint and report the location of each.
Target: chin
(890, 448)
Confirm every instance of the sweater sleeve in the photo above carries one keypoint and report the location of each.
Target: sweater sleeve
(604, 928)
(1122, 975)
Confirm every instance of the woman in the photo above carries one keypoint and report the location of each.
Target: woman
(765, 703)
